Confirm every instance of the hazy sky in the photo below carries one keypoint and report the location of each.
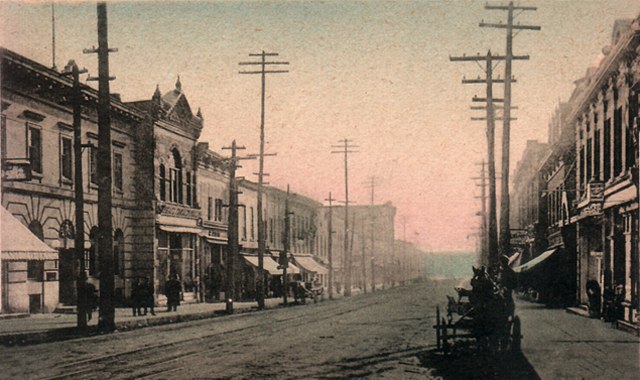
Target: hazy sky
(377, 72)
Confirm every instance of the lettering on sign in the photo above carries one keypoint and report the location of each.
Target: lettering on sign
(593, 209)
(177, 210)
(519, 237)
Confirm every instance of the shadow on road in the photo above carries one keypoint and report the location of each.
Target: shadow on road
(473, 365)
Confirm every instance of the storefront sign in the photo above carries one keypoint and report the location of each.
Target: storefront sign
(520, 237)
(593, 209)
(177, 210)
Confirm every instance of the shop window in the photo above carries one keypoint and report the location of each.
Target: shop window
(66, 159)
(35, 149)
(117, 172)
(91, 257)
(35, 270)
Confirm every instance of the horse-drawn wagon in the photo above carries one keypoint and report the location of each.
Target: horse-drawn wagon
(484, 315)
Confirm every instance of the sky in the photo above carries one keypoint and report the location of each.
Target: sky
(376, 72)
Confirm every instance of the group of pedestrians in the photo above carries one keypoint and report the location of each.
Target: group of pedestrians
(142, 299)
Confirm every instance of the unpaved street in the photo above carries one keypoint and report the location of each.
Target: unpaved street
(383, 335)
(369, 335)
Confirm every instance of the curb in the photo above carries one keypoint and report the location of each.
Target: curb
(68, 333)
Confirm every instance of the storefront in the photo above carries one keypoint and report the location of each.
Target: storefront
(310, 268)
(177, 241)
(28, 270)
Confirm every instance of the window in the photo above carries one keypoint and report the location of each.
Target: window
(252, 230)
(617, 142)
(66, 159)
(92, 260)
(244, 223)
(93, 165)
(194, 200)
(35, 270)
(117, 171)
(607, 149)
(210, 207)
(35, 149)
(219, 210)
(596, 154)
(162, 183)
(175, 178)
(188, 186)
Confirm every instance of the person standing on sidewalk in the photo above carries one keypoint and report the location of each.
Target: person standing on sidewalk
(135, 298)
(172, 290)
(148, 301)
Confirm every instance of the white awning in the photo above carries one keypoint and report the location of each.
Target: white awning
(309, 264)
(19, 243)
(514, 260)
(270, 265)
(536, 261)
(180, 229)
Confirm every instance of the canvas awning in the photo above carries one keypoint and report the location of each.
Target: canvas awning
(180, 229)
(514, 260)
(19, 243)
(270, 265)
(536, 261)
(309, 264)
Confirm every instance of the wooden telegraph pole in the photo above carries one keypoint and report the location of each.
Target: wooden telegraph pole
(330, 245)
(284, 256)
(346, 146)
(505, 229)
(490, 100)
(106, 318)
(263, 63)
(73, 70)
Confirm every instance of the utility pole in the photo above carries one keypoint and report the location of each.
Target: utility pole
(233, 246)
(490, 100)
(484, 239)
(505, 229)
(364, 261)
(73, 70)
(263, 63)
(330, 243)
(404, 248)
(284, 258)
(346, 146)
(372, 183)
(106, 318)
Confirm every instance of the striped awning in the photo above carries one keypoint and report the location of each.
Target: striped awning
(19, 243)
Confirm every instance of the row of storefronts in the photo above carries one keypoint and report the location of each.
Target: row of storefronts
(579, 205)
(170, 200)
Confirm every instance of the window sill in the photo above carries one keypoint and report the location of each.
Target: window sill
(66, 182)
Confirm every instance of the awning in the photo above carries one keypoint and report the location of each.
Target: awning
(514, 260)
(180, 229)
(536, 261)
(214, 239)
(269, 264)
(19, 243)
(309, 264)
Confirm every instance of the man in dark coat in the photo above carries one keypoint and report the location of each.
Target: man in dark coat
(135, 298)
(147, 296)
(172, 290)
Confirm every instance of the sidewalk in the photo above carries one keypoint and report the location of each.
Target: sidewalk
(40, 328)
(561, 345)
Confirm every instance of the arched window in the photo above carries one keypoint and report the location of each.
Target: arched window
(118, 253)
(176, 177)
(67, 233)
(161, 184)
(36, 228)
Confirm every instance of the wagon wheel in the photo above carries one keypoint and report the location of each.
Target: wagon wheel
(516, 335)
